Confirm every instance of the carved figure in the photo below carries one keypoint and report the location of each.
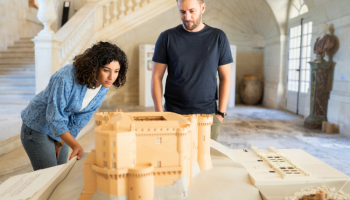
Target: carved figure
(137, 151)
(323, 43)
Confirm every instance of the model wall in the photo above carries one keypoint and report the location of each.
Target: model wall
(336, 13)
(166, 152)
(240, 20)
(17, 20)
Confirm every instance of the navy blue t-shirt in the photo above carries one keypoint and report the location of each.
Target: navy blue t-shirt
(193, 59)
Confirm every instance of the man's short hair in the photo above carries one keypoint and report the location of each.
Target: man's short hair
(200, 1)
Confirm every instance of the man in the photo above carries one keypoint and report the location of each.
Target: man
(194, 52)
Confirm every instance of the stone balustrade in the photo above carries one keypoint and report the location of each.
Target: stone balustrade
(76, 35)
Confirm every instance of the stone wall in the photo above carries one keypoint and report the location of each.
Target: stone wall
(17, 20)
(240, 20)
(336, 13)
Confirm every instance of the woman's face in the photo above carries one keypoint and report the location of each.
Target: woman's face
(108, 74)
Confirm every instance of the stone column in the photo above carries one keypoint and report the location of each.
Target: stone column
(46, 45)
(319, 94)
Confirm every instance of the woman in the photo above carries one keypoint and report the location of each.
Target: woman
(56, 115)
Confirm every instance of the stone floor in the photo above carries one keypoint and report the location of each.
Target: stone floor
(245, 126)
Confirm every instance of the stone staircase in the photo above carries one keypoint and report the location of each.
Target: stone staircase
(17, 73)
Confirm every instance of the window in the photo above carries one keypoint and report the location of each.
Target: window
(104, 154)
(133, 163)
(299, 55)
(159, 140)
(203, 138)
(113, 155)
(158, 164)
(114, 165)
(104, 143)
(113, 144)
(105, 164)
(298, 7)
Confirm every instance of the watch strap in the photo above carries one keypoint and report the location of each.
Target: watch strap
(222, 114)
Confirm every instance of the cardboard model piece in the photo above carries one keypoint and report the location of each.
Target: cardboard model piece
(136, 152)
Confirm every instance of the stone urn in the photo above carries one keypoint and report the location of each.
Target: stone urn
(251, 89)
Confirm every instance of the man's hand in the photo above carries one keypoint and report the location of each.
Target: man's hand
(77, 151)
(57, 149)
(220, 117)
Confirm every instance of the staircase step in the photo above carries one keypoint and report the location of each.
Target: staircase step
(17, 78)
(24, 42)
(6, 102)
(21, 50)
(17, 86)
(17, 65)
(17, 94)
(30, 55)
(22, 45)
(25, 39)
(12, 48)
(17, 71)
(16, 60)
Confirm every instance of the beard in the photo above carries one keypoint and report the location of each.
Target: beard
(195, 24)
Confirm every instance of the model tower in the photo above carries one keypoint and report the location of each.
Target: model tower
(136, 152)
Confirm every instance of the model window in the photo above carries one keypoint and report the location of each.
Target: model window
(104, 154)
(158, 164)
(113, 144)
(105, 164)
(114, 165)
(159, 140)
(113, 155)
(104, 143)
(203, 138)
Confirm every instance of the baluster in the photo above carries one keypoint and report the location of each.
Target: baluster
(108, 17)
(144, 3)
(115, 11)
(130, 5)
(122, 10)
(60, 57)
(137, 4)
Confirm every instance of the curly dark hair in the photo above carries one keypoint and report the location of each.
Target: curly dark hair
(100, 54)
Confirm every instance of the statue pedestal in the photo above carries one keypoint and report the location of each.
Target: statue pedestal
(319, 94)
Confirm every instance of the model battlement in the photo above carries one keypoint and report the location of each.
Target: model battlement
(137, 151)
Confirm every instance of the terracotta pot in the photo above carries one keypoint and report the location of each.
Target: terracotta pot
(251, 89)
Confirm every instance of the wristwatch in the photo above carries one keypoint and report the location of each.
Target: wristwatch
(222, 114)
(59, 144)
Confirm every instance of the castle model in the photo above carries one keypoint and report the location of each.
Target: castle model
(136, 153)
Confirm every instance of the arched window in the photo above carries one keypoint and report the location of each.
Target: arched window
(299, 54)
(298, 7)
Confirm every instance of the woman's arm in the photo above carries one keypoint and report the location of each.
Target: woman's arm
(77, 149)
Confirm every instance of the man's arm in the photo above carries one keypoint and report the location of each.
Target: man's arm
(156, 85)
(224, 87)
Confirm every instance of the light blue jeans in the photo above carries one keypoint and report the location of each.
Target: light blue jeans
(41, 149)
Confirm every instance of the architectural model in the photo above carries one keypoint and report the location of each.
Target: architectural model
(136, 152)
(281, 164)
(319, 193)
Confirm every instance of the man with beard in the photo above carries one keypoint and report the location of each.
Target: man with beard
(194, 52)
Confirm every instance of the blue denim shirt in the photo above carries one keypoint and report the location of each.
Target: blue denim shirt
(55, 110)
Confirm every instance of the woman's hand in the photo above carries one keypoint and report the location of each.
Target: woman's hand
(77, 151)
(57, 149)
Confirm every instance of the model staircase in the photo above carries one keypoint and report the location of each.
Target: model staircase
(17, 73)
